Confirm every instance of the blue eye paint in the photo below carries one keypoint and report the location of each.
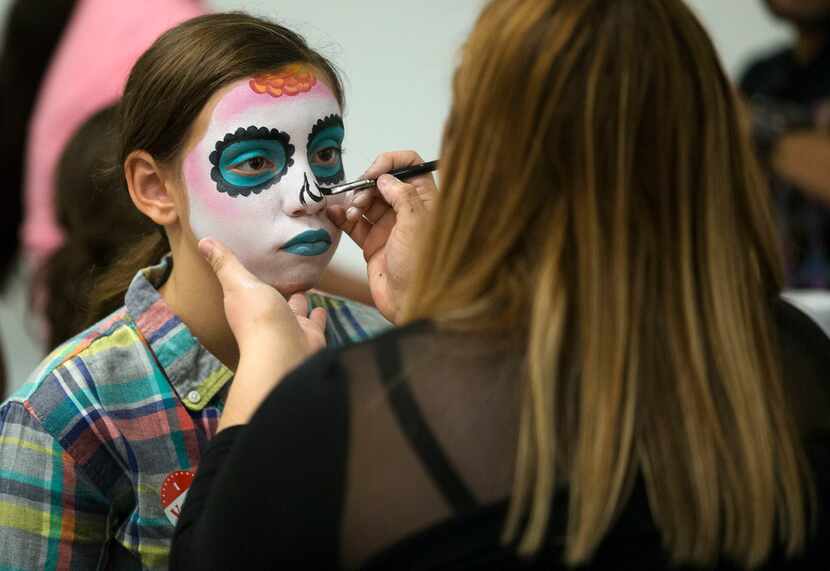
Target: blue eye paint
(254, 144)
(237, 155)
(328, 133)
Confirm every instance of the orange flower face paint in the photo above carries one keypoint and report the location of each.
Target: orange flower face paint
(290, 80)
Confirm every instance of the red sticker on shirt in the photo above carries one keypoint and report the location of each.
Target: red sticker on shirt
(173, 492)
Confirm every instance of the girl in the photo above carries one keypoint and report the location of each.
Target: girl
(229, 126)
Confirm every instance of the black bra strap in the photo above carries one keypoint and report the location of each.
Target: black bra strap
(412, 424)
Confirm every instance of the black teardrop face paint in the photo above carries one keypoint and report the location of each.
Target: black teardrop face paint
(305, 191)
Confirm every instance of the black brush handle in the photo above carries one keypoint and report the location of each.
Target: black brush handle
(402, 173)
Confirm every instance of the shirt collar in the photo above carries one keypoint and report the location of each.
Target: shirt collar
(195, 374)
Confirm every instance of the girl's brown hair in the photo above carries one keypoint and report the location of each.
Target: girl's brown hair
(600, 197)
(166, 91)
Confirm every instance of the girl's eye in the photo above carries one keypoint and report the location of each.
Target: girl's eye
(254, 166)
(329, 156)
(249, 160)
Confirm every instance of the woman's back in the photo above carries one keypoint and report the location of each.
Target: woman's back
(400, 453)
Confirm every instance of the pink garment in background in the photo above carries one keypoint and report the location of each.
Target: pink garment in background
(102, 41)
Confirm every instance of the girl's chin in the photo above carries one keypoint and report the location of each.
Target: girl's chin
(292, 282)
(291, 289)
(290, 273)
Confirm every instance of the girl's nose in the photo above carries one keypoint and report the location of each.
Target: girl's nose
(307, 201)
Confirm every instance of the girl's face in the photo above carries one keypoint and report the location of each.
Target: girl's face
(255, 175)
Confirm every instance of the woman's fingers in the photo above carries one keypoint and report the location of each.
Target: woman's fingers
(376, 211)
(356, 227)
(364, 198)
(228, 269)
(312, 325)
(368, 205)
(353, 214)
(337, 215)
(318, 316)
(298, 304)
(393, 197)
(393, 160)
(402, 197)
(360, 230)
(393, 206)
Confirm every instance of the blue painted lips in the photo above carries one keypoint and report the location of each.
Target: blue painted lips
(308, 243)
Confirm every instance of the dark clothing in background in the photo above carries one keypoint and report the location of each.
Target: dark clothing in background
(31, 34)
(804, 221)
(398, 453)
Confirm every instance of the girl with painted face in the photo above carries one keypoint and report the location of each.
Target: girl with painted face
(230, 127)
(263, 150)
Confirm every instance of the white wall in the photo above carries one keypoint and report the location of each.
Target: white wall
(740, 29)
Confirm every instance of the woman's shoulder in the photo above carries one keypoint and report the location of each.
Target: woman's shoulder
(330, 371)
(800, 337)
(805, 363)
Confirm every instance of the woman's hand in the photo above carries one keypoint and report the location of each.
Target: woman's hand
(386, 222)
(273, 335)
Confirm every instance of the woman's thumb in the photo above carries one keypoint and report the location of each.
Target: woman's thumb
(401, 196)
(298, 304)
(228, 269)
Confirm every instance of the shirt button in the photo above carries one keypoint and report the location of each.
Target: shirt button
(194, 396)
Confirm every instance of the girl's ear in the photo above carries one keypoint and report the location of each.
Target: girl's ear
(146, 181)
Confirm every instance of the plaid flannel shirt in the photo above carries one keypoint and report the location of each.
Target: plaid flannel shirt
(87, 445)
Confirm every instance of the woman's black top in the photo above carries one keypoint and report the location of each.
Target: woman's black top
(398, 453)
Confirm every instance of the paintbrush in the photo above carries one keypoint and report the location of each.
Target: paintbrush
(367, 183)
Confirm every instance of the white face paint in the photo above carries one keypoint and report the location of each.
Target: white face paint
(254, 178)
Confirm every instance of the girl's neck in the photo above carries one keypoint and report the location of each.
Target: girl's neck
(193, 293)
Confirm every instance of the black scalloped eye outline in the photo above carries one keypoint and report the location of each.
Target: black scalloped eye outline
(243, 134)
(333, 120)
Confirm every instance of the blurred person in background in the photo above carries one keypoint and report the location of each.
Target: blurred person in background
(98, 222)
(112, 35)
(788, 93)
(31, 32)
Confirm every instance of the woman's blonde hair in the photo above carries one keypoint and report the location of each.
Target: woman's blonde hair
(601, 199)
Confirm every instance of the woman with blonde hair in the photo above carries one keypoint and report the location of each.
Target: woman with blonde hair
(229, 125)
(594, 367)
